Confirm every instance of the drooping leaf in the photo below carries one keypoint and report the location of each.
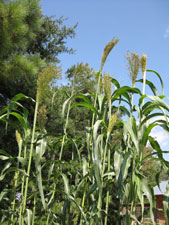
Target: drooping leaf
(66, 184)
(125, 166)
(87, 105)
(118, 159)
(29, 216)
(148, 193)
(161, 81)
(159, 102)
(40, 150)
(115, 82)
(151, 85)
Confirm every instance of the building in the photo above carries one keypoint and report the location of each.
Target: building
(159, 192)
(159, 212)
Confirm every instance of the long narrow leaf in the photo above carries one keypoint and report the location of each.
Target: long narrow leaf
(161, 81)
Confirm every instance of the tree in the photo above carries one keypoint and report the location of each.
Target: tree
(50, 40)
(28, 42)
(151, 167)
(81, 79)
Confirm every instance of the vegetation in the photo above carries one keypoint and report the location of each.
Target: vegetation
(88, 162)
(29, 42)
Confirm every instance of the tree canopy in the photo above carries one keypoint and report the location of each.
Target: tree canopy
(29, 41)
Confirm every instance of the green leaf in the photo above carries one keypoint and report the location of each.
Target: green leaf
(84, 166)
(3, 157)
(3, 193)
(115, 82)
(150, 84)
(141, 100)
(118, 159)
(124, 110)
(64, 105)
(127, 89)
(29, 216)
(161, 81)
(40, 150)
(21, 96)
(137, 179)
(156, 147)
(22, 160)
(97, 159)
(95, 129)
(92, 189)
(87, 105)
(101, 101)
(128, 128)
(150, 117)
(146, 133)
(20, 118)
(78, 206)
(66, 184)
(148, 193)
(159, 102)
(125, 166)
(83, 96)
(3, 173)
(65, 93)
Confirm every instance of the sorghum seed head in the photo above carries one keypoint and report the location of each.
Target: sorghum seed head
(112, 122)
(107, 50)
(107, 86)
(133, 65)
(143, 63)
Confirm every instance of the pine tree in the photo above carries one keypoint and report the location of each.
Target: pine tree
(28, 42)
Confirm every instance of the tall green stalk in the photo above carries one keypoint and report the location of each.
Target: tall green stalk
(43, 82)
(22, 190)
(30, 154)
(112, 121)
(16, 176)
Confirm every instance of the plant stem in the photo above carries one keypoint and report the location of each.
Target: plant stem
(108, 193)
(107, 207)
(22, 190)
(100, 206)
(144, 84)
(83, 201)
(95, 100)
(30, 155)
(34, 209)
(16, 181)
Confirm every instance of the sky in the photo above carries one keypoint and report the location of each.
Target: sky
(141, 25)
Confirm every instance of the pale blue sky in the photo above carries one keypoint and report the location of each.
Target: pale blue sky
(141, 25)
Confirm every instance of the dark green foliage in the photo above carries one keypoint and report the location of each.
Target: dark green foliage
(84, 79)
(50, 40)
(28, 42)
(150, 167)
